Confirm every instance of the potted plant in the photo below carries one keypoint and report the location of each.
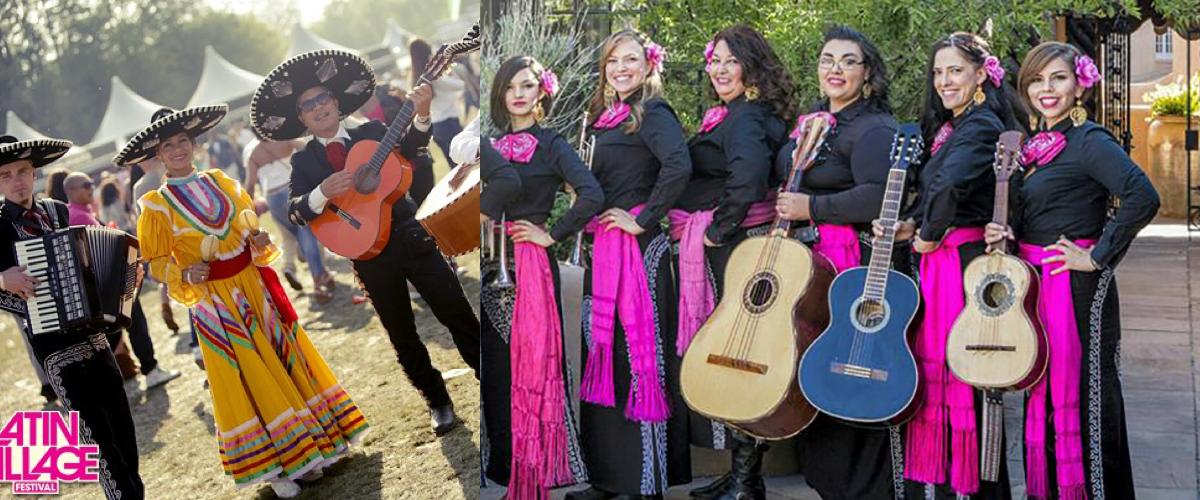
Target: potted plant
(1168, 106)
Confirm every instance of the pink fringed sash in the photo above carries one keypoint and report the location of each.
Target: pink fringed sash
(619, 285)
(945, 396)
(839, 244)
(539, 431)
(1056, 309)
(696, 296)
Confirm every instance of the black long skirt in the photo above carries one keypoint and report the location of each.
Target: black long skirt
(1107, 471)
(624, 456)
(496, 382)
(999, 490)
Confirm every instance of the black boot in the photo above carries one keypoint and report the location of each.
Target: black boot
(746, 482)
(592, 493)
(712, 489)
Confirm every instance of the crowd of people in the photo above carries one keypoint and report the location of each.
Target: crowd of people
(180, 185)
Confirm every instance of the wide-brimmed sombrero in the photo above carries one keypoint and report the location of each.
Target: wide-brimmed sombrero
(166, 123)
(40, 152)
(274, 107)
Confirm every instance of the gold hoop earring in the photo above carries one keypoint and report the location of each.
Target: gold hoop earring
(979, 96)
(866, 91)
(610, 95)
(539, 112)
(1035, 123)
(1078, 115)
(752, 93)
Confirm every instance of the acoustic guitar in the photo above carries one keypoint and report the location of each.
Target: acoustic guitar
(861, 369)
(740, 368)
(357, 224)
(995, 343)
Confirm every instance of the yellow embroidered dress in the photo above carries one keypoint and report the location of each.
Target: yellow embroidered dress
(279, 410)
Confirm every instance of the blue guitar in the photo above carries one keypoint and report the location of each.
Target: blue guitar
(861, 369)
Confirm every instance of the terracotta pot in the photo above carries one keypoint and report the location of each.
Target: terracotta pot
(1167, 168)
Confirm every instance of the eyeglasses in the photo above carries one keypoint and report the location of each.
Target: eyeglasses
(827, 63)
(318, 100)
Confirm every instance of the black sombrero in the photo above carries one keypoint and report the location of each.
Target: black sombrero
(165, 123)
(40, 152)
(273, 110)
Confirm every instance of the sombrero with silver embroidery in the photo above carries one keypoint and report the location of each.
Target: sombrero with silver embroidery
(40, 152)
(166, 123)
(273, 110)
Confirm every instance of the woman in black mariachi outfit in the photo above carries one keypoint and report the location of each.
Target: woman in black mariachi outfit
(634, 434)
(1072, 167)
(841, 194)
(967, 107)
(526, 392)
(725, 201)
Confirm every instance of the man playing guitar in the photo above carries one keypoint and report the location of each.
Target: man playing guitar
(312, 93)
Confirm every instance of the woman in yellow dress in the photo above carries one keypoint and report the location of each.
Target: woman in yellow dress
(280, 413)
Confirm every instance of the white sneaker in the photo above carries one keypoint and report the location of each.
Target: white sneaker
(159, 376)
(133, 389)
(285, 488)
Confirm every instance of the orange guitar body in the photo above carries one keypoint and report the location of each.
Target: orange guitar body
(357, 224)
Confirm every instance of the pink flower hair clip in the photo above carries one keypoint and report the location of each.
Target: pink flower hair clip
(994, 70)
(1086, 72)
(549, 82)
(708, 53)
(655, 56)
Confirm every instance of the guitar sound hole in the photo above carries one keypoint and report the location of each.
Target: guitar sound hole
(366, 181)
(996, 295)
(870, 313)
(761, 292)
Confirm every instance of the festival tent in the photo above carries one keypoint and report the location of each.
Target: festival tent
(221, 82)
(17, 127)
(126, 113)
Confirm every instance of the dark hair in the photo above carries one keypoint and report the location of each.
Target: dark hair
(55, 184)
(878, 80)
(761, 68)
(109, 192)
(500, 84)
(1037, 59)
(419, 53)
(1000, 100)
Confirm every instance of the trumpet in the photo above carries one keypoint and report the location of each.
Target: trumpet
(502, 278)
(586, 149)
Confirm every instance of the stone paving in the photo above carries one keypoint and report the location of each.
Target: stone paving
(1160, 362)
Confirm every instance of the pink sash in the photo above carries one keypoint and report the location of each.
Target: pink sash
(945, 396)
(1056, 308)
(839, 244)
(696, 296)
(619, 284)
(539, 431)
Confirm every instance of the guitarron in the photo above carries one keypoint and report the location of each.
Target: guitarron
(357, 224)
(861, 369)
(740, 368)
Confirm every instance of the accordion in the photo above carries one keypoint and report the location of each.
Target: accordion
(88, 279)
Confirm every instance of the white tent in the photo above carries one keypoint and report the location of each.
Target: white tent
(397, 39)
(452, 30)
(127, 113)
(305, 41)
(17, 127)
(221, 81)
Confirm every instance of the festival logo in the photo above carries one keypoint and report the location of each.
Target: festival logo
(39, 449)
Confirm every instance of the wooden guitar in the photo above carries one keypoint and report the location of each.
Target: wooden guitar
(995, 344)
(357, 224)
(861, 369)
(740, 368)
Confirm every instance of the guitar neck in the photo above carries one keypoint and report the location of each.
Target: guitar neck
(881, 255)
(1000, 209)
(395, 132)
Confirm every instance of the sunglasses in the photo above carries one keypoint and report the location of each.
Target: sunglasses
(318, 100)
